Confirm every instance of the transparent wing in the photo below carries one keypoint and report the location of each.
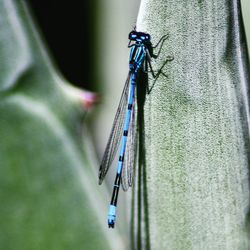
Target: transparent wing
(116, 132)
(130, 153)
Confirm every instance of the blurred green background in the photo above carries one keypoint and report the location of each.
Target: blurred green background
(91, 53)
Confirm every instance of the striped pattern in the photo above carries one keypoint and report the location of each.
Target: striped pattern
(137, 57)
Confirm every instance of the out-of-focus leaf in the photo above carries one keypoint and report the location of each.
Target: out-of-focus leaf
(48, 185)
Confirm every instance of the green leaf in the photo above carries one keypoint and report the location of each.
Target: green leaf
(193, 185)
(48, 177)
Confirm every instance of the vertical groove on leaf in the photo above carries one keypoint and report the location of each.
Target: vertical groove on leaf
(196, 123)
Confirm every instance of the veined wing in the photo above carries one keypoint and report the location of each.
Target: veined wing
(130, 153)
(116, 132)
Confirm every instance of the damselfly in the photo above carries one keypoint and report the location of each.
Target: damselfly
(140, 57)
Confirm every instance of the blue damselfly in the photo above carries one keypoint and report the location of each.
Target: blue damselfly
(124, 126)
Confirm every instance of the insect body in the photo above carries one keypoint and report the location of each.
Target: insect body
(140, 56)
